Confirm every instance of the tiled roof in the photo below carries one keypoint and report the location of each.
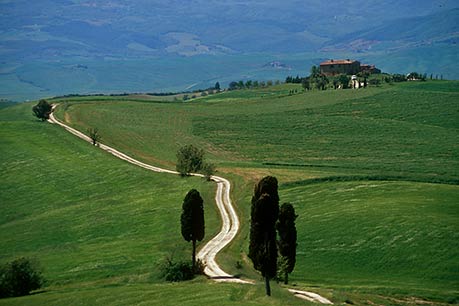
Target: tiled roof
(337, 62)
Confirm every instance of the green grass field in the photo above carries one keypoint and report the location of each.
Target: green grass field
(399, 236)
(391, 131)
(100, 227)
(373, 175)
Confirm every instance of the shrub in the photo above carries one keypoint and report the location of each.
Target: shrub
(189, 159)
(19, 277)
(177, 271)
(94, 135)
(181, 270)
(42, 110)
(208, 170)
(398, 78)
(199, 267)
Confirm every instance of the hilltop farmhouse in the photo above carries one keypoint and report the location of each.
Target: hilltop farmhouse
(335, 67)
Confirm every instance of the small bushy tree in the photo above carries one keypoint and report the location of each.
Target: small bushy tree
(321, 82)
(192, 220)
(344, 81)
(208, 170)
(189, 159)
(315, 72)
(20, 277)
(94, 135)
(42, 110)
(233, 85)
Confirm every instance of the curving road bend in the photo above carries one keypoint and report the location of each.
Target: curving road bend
(230, 220)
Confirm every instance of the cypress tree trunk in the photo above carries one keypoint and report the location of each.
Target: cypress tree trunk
(194, 254)
(286, 278)
(268, 288)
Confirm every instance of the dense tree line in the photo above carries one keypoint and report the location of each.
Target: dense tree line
(293, 80)
(216, 87)
(317, 80)
(251, 84)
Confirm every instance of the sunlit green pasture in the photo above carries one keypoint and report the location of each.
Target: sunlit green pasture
(372, 174)
(381, 236)
(393, 130)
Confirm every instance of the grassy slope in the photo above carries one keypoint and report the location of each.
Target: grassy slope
(99, 226)
(194, 293)
(391, 131)
(75, 199)
(399, 131)
(395, 236)
(153, 131)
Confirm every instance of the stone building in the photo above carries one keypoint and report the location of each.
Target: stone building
(335, 67)
(349, 67)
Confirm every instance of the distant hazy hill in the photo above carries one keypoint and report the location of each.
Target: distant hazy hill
(207, 27)
(441, 27)
(51, 47)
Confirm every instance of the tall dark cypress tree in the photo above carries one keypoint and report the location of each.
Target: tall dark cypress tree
(287, 238)
(264, 213)
(192, 219)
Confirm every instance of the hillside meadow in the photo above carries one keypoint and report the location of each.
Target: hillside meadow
(99, 227)
(372, 174)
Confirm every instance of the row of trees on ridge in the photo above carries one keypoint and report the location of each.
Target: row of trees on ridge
(251, 84)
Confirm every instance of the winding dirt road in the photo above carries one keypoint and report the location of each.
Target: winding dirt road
(230, 220)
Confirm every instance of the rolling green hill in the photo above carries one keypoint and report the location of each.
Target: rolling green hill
(409, 130)
(100, 227)
(372, 175)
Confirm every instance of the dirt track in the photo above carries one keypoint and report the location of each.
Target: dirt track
(230, 225)
(230, 220)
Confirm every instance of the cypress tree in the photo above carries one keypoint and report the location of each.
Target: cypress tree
(192, 220)
(287, 239)
(264, 213)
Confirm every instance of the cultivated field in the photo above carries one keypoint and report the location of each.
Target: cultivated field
(373, 175)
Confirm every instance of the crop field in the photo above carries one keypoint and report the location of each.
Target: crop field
(373, 175)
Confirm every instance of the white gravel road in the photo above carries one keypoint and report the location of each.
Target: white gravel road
(230, 220)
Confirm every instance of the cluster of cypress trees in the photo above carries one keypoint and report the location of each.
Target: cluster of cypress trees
(266, 217)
